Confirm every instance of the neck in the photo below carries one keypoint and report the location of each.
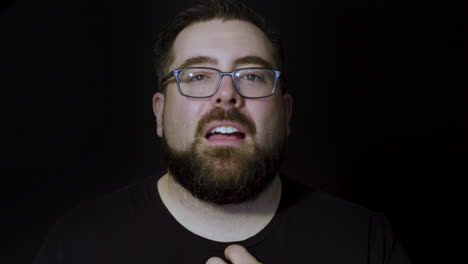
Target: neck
(224, 223)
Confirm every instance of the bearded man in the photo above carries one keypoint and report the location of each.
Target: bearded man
(222, 112)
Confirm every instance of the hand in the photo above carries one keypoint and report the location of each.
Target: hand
(236, 254)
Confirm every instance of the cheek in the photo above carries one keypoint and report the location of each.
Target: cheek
(269, 119)
(180, 122)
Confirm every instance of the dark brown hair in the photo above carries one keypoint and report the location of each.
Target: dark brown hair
(206, 10)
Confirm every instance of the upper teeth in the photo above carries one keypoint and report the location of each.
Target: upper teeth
(224, 129)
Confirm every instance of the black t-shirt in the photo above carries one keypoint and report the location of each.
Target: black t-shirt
(132, 225)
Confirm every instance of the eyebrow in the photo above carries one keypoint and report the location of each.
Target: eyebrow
(213, 61)
(253, 60)
(198, 60)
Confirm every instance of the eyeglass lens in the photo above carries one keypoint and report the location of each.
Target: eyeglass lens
(200, 82)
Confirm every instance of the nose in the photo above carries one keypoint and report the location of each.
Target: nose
(227, 95)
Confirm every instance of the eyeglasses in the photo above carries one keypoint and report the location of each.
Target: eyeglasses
(204, 82)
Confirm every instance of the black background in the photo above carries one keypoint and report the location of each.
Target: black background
(379, 111)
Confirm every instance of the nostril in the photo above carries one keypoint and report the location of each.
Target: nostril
(231, 101)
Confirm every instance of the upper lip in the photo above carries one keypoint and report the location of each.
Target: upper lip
(214, 124)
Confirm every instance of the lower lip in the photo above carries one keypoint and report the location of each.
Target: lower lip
(225, 140)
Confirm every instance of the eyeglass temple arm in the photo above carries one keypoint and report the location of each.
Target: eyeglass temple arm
(167, 77)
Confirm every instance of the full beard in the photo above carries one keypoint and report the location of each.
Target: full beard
(223, 174)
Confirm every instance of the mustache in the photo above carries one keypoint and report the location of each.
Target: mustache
(230, 115)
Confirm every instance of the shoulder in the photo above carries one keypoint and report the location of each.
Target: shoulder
(99, 227)
(123, 203)
(323, 224)
(306, 204)
(298, 194)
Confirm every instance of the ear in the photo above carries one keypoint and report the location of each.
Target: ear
(158, 109)
(288, 108)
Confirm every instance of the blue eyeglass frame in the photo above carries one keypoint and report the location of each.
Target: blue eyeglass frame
(176, 72)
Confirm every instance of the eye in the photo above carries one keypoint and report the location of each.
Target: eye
(253, 77)
(198, 77)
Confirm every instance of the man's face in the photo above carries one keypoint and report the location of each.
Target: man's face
(227, 162)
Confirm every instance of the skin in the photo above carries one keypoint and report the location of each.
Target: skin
(177, 117)
(236, 254)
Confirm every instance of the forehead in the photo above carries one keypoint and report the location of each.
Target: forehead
(226, 41)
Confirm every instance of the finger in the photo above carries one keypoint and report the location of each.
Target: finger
(215, 260)
(239, 255)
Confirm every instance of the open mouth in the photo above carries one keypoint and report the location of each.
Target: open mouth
(225, 132)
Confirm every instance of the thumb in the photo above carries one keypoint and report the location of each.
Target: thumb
(239, 255)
